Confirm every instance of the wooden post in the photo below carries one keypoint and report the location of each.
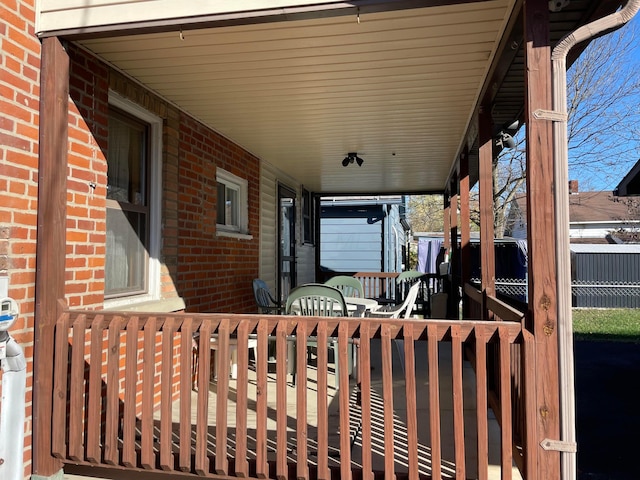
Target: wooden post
(487, 250)
(51, 243)
(447, 221)
(454, 298)
(542, 314)
(465, 228)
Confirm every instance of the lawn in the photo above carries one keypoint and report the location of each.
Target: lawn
(616, 324)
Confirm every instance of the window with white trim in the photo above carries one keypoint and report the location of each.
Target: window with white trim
(232, 209)
(132, 204)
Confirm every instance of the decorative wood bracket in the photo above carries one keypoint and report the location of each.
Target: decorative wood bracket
(559, 445)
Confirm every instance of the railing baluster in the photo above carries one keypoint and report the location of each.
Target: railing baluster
(343, 398)
(94, 406)
(166, 382)
(112, 414)
(222, 405)
(410, 389)
(77, 389)
(147, 428)
(530, 443)
(505, 401)
(481, 402)
(60, 385)
(364, 377)
(323, 406)
(282, 469)
(242, 405)
(186, 384)
(387, 400)
(458, 401)
(302, 468)
(434, 400)
(262, 467)
(202, 405)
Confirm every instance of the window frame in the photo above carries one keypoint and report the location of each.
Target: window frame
(154, 183)
(241, 186)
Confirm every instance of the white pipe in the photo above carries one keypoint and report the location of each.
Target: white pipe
(561, 171)
(14, 382)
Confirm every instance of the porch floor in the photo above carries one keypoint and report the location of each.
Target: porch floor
(447, 466)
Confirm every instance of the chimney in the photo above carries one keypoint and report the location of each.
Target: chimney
(573, 187)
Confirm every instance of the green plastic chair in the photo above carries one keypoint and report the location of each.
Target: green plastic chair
(349, 286)
(319, 300)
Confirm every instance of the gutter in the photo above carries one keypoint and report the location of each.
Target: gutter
(561, 173)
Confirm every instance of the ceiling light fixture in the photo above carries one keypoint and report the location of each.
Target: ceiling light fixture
(350, 158)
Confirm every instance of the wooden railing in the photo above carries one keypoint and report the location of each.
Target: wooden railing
(125, 396)
(519, 410)
(379, 285)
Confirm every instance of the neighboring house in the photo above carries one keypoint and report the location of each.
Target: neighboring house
(594, 217)
(363, 234)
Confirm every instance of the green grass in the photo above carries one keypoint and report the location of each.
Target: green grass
(622, 325)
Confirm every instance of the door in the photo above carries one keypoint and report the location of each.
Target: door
(286, 241)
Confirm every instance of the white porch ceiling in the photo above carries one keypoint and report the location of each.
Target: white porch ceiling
(398, 87)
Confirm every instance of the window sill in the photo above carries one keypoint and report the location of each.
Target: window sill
(236, 235)
(164, 305)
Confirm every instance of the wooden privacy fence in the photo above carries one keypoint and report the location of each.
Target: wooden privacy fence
(126, 396)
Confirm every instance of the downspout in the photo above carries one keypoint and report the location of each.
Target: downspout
(561, 172)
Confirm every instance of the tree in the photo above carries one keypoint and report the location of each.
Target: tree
(603, 92)
(426, 213)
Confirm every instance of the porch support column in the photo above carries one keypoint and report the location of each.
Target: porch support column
(447, 221)
(454, 299)
(541, 234)
(487, 249)
(465, 228)
(51, 243)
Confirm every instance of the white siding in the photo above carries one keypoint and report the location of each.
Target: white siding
(268, 225)
(305, 254)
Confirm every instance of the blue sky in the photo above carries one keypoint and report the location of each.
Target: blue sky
(610, 144)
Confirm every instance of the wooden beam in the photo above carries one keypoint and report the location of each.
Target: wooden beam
(465, 227)
(51, 242)
(542, 314)
(487, 250)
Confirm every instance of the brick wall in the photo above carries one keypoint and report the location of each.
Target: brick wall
(215, 273)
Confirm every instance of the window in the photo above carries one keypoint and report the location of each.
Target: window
(131, 270)
(307, 216)
(231, 203)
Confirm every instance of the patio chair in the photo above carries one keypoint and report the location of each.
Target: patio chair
(265, 301)
(404, 282)
(349, 286)
(318, 300)
(403, 311)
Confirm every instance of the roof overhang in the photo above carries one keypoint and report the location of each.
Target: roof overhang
(301, 84)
